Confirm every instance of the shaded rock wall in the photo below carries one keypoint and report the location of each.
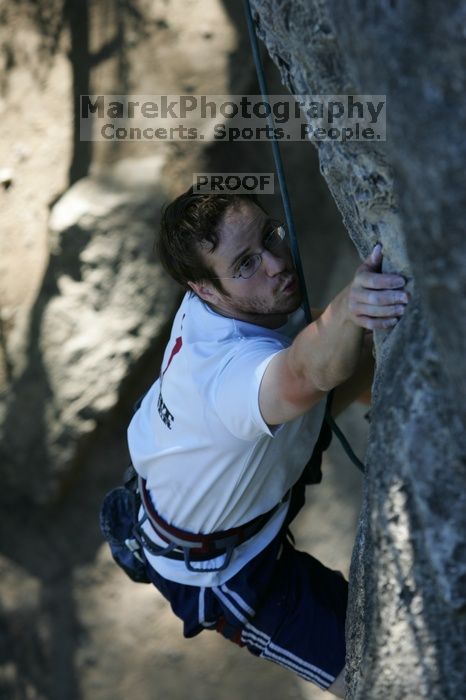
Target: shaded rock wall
(102, 302)
(406, 626)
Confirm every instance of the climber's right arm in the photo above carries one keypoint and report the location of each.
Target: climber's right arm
(326, 353)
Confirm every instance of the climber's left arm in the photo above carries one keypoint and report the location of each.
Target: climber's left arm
(358, 386)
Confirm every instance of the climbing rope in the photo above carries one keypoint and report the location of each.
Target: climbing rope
(289, 219)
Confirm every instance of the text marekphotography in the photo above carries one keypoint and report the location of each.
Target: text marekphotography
(233, 118)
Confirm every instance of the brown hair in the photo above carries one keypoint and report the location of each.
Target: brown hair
(186, 223)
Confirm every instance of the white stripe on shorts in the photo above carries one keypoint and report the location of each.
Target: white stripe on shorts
(201, 610)
(284, 657)
(256, 637)
(236, 596)
(231, 606)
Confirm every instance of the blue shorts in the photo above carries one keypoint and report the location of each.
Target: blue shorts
(284, 606)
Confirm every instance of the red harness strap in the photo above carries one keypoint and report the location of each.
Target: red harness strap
(202, 544)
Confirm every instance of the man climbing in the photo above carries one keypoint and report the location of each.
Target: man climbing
(222, 440)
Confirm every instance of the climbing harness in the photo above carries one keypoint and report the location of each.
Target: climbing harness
(189, 546)
(289, 217)
(122, 527)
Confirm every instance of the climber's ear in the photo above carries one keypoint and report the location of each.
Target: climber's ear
(206, 291)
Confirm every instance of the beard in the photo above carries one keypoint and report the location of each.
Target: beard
(265, 310)
(257, 305)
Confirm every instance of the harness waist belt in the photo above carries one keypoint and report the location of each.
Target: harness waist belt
(202, 546)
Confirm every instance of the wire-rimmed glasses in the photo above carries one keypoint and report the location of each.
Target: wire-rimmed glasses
(274, 242)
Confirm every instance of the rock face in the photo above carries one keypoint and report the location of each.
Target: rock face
(102, 304)
(406, 627)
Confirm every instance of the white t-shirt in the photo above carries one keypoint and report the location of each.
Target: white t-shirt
(210, 461)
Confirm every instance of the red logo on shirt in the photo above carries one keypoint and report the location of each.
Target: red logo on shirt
(176, 348)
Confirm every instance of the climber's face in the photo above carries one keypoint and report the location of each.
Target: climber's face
(254, 263)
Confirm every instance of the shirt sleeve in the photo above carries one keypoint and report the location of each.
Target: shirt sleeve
(235, 388)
